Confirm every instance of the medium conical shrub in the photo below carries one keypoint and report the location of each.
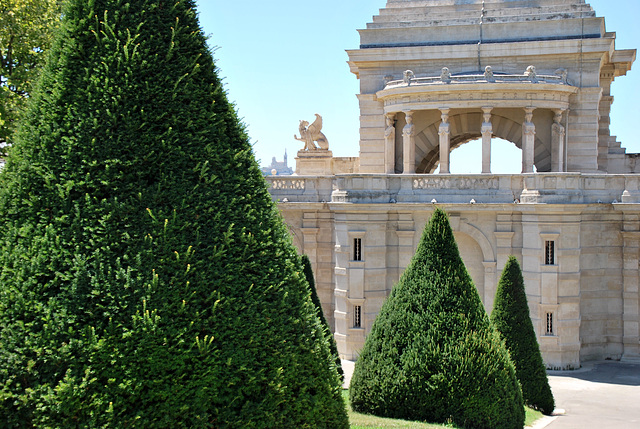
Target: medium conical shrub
(432, 354)
(308, 273)
(147, 279)
(511, 317)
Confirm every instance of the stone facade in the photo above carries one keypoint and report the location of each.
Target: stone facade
(435, 75)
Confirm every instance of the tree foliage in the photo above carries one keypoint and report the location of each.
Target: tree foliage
(146, 277)
(26, 31)
(432, 353)
(308, 273)
(511, 317)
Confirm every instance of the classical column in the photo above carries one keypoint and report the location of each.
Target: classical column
(390, 144)
(557, 142)
(445, 136)
(528, 140)
(409, 145)
(487, 132)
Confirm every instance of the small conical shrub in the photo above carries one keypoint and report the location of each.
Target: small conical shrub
(308, 273)
(147, 280)
(511, 317)
(432, 353)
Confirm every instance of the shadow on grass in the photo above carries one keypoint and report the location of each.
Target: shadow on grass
(361, 421)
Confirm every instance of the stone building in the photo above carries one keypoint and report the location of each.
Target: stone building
(278, 168)
(435, 74)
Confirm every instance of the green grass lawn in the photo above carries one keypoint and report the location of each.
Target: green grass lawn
(359, 421)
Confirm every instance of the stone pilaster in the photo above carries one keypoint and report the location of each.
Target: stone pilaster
(582, 130)
(630, 292)
(490, 284)
(372, 138)
(444, 132)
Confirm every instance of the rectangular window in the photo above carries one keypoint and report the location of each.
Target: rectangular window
(549, 252)
(357, 249)
(357, 316)
(549, 327)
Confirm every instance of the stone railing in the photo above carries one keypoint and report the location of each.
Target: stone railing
(540, 188)
(441, 188)
(312, 189)
(529, 76)
(289, 183)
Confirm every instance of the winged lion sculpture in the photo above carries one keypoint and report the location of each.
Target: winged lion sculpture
(312, 133)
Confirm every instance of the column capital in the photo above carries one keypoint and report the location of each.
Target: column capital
(528, 113)
(558, 113)
(444, 114)
(409, 129)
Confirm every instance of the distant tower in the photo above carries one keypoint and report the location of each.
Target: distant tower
(277, 168)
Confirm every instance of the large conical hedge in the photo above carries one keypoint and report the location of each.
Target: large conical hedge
(511, 317)
(432, 353)
(146, 278)
(308, 273)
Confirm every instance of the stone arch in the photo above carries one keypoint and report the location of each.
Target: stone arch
(297, 240)
(471, 255)
(465, 127)
(479, 258)
(487, 250)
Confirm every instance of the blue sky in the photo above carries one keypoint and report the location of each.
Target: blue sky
(283, 61)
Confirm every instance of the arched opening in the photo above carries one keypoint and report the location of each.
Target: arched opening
(506, 158)
(465, 125)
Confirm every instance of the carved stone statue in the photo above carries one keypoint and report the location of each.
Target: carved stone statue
(445, 75)
(488, 74)
(563, 75)
(407, 76)
(531, 74)
(311, 133)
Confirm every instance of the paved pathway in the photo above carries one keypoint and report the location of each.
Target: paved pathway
(601, 395)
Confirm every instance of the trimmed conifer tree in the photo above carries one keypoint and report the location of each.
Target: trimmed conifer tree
(308, 273)
(432, 353)
(146, 278)
(511, 318)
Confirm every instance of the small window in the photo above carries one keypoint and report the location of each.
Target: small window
(357, 316)
(549, 326)
(357, 249)
(549, 252)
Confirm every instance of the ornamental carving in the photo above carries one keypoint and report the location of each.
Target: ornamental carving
(288, 184)
(456, 183)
